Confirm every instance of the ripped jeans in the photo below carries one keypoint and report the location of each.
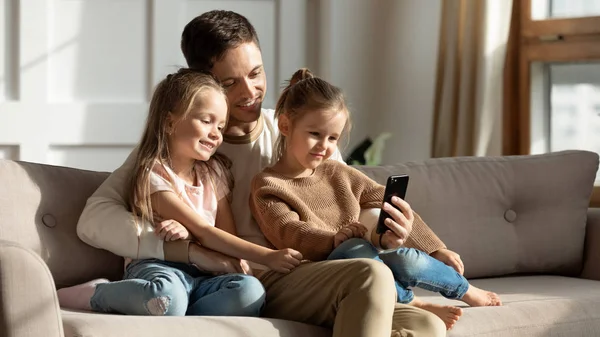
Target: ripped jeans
(410, 267)
(156, 287)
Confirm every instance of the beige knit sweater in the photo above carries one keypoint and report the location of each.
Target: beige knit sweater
(306, 213)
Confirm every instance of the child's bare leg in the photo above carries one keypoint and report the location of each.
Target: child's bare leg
(476, 297)
(447, 313)
(78, 296)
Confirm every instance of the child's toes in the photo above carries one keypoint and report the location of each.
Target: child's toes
(450, 323)
(452, 316)
(456, 311)
(494, 299)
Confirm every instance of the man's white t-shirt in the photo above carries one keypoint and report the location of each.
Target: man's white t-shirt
(250, 154)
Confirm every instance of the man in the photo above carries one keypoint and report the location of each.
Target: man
(354, 297)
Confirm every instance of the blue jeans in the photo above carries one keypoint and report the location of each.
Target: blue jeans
(410, 267)
(155, 287)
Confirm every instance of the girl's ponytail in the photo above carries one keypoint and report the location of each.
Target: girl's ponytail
(299, 75)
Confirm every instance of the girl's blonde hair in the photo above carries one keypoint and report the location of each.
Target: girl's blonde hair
(172, 101)
(306, 93)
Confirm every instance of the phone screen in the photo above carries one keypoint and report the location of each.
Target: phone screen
(396, 186)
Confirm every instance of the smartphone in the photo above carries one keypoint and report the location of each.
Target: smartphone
(396, 186)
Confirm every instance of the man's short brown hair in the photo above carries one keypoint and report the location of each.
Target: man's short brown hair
(207, 37)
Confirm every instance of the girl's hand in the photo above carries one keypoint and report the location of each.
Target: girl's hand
(389, 240)
(400, 225)
(450, 258)
(171, 230)
(353, 230)
(283, 260)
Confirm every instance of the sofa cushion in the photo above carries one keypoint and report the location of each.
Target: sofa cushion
(105, 325)
(532, 306)
(504, 215)
(39, 208)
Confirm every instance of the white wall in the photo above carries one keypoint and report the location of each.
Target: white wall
(348, 57)
(409, 79)
(74, 90)
(76, 76)
(383, 53)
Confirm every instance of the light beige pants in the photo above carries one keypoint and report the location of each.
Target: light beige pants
(356, 297)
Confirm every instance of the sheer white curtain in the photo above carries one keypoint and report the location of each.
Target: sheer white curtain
(468, 99)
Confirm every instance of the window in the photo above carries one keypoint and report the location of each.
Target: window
(552, 78)
(555, 9)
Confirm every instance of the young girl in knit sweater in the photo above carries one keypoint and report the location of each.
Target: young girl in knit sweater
(181, 184)
(312, 204)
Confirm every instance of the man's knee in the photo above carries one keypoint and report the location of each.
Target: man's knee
(430, 325)
(372, 275)
(414, 322)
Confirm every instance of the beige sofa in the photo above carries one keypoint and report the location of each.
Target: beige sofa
(521, 225)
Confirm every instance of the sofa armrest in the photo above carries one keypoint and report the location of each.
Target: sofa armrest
(28, 301)
(591, 255)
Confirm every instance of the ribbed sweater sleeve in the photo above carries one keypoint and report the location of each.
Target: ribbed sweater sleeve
(282, 226)
(422, 237)
(370, 193)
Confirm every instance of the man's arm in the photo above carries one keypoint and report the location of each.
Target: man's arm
(107, 224)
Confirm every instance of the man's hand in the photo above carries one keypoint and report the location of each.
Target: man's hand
(450, 258)
(215, 262)
(353, 230)
(400, 224)
(171, 230)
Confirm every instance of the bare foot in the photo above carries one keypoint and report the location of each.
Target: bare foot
(476, 297)
(78, 296)
(447, 313)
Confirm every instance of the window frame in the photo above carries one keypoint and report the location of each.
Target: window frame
(555, 26)
(547, 41)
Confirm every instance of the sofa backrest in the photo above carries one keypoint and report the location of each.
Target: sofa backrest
(504, 215)
(39, 209)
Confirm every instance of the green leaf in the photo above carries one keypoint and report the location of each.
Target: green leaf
(374, 153)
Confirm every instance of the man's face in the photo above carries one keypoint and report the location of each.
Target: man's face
(242, 74)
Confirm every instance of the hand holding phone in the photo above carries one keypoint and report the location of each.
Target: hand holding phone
(396, 186)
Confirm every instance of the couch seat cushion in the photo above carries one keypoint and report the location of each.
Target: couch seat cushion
(533, 306)
(77, 324)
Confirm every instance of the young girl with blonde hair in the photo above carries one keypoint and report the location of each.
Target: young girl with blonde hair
(313, 204)
(181, 184)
